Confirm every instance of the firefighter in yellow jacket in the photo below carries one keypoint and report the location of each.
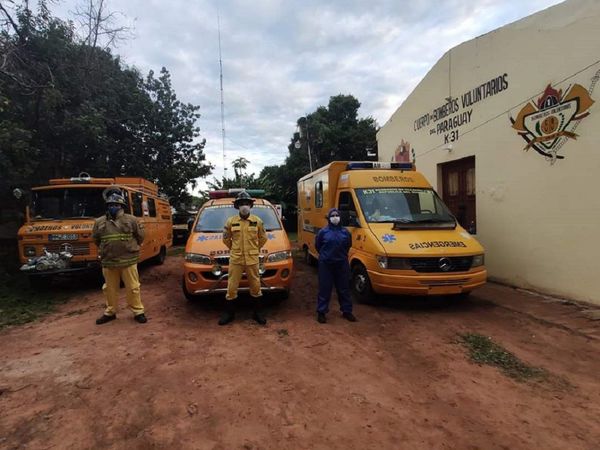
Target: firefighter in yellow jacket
(118, 237)
(244, 235)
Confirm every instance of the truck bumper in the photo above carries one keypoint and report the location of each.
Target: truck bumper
(427, 284)
(200, 281)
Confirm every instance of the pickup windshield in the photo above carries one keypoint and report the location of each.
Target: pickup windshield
(212, 219)
(67, 203)
(403, 206)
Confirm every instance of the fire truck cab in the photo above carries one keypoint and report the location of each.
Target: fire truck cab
(61, 215)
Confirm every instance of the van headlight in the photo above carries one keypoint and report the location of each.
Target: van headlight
(279, 256)
(477, 261)
(382, 261)
(197, 258)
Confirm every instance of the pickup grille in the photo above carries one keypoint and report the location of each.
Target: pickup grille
(224, 260)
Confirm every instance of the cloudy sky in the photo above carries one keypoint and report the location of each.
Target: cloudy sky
(283, 59)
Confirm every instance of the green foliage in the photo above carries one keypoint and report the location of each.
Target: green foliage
(67, 107)
(485, 351)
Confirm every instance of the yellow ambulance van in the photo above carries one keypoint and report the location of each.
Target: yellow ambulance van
(207, 258)
(404, 239)
(61, 216)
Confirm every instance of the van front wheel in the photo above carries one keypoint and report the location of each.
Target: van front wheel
(361, 285)
(308, 258)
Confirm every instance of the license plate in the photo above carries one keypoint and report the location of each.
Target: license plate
(444, 290)
(63, 237)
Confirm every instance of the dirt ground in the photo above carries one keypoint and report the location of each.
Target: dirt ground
(398, 378)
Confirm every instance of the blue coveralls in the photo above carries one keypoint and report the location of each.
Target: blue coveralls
(333, 243)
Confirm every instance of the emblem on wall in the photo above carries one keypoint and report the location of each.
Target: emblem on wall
(547, 123)
(402, 152)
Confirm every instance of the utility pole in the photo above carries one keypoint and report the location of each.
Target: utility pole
(222, 101)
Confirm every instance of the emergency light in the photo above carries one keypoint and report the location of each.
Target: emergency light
(225, 193)
(380, 165)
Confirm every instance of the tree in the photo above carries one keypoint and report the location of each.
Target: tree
(68, 105)
(333, 133)
(176, 158)
(239, 165)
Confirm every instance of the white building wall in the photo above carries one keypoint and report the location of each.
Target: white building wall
(538, 219)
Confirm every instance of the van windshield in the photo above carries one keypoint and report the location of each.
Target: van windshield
(212, 219)
(403, 205)
(67, 203)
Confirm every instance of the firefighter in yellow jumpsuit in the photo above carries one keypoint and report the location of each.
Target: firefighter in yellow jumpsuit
(244, 235)
(118, 236)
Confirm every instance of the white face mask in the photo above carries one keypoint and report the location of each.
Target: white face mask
(335, 220)
(244, 210)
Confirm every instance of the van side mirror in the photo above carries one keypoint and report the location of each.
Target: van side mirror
(348, 218)
(353, 219)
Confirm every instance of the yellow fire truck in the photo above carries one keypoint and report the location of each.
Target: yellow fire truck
(404, 239)
(61, 215)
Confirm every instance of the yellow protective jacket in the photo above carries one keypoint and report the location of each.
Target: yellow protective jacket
(118, 240)
(244, 237)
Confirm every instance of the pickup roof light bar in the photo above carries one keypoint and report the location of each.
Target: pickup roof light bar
(226, 193)
(380, 165)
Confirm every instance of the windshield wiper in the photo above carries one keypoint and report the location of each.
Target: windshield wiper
(409, 224)
(433, 220)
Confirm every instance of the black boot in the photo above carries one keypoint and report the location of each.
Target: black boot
(259, 315)
(228, 314)
(349, 317)
(104, 319)
(321, 318)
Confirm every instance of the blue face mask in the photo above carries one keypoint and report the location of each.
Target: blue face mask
(113, 210)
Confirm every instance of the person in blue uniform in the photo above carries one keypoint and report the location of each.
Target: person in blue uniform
(333, 243)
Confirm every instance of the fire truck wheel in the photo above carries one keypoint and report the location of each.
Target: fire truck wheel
(160, 258)
(361, 285)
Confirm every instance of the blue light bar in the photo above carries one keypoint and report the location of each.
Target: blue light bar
(380, 165)
(360, 165)
(402, 165)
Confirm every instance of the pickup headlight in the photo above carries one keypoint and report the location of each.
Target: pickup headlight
(279, 256)
(477, 261)
(197, 258)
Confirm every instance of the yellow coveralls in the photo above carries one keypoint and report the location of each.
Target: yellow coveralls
(244, 237)
(118, 242)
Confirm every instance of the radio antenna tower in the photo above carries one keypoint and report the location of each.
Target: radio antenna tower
(222, 102)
